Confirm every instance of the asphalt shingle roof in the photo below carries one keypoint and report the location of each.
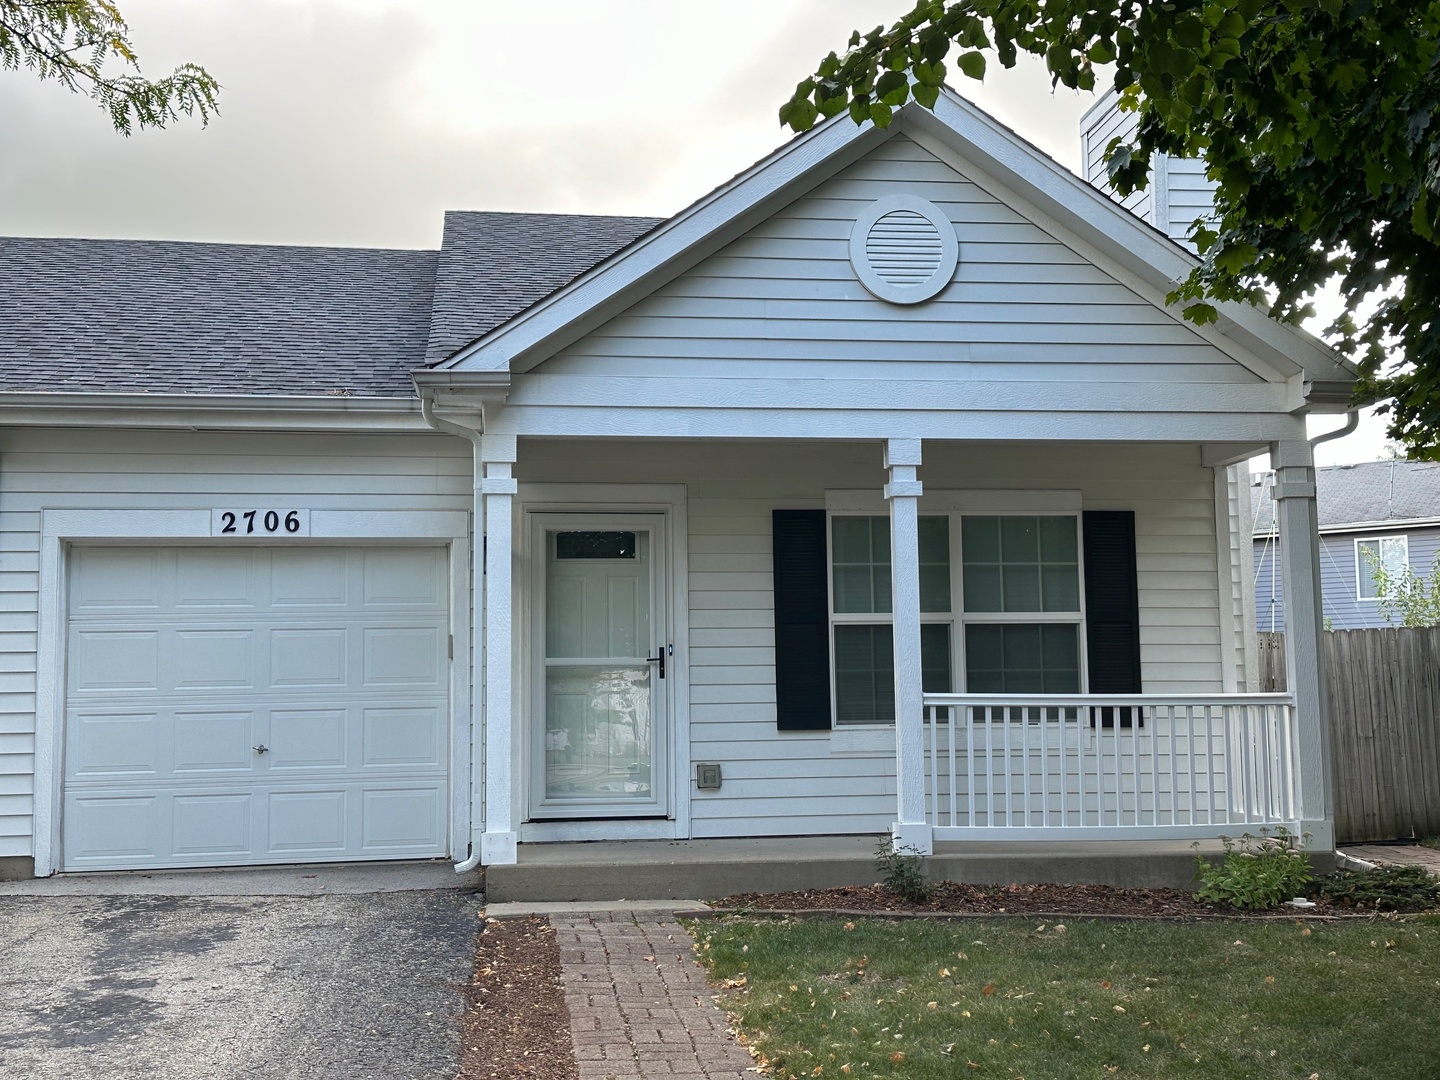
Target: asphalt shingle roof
(493, 266)
(140, 316)
(166, 317)
(1372, 491)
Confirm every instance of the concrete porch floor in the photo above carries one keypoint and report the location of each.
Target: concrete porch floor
(709, 869)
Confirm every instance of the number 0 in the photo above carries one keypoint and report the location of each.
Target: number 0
(272, 521)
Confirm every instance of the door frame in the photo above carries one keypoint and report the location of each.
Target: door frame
(136, 526)
(669, 501)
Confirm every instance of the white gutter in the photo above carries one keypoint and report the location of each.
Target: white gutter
(477, 560)
(1352, 421)
(212, 411)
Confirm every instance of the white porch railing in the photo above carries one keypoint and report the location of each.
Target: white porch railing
(1087, 767)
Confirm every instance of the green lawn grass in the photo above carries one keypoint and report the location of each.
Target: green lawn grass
(1032, 999)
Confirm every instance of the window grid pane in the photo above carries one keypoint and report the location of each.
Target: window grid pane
(864, 674)
(1022, 658)
(1392, 553)
(860, 557)
(1020, 563)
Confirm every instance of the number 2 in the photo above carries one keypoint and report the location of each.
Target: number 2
(229, 519)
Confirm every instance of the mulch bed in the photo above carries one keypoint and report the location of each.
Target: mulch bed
(953, 898)
(516, 1023)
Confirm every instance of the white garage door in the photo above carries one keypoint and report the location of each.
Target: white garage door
(255, 705)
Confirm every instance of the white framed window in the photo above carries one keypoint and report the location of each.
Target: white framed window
(1000, 602)
(1392, 552)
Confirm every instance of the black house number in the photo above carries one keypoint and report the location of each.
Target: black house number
(268, 522)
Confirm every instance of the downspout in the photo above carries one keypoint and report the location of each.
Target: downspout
(1352, 421)
(477, 561)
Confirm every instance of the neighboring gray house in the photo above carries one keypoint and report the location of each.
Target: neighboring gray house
(1390, 508)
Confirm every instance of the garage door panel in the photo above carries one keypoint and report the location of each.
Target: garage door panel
(409, 656)
(114, 580)
(212, 826)
(307, 579)
(214, 660)
(109, 660)
(112, 828)
(104, 744)
(401, 737)
(308, 822)
(402, 577)
(209, 579)
(402, 820)
(307, 739)
(213, 742)
(309, 658)
(332, 659)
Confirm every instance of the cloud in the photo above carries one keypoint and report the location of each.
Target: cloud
(357, 122)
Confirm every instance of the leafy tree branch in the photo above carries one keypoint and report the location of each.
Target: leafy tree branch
(85, 46)
(1316, 119)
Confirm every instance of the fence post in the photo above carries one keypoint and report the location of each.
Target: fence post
(1294, 501)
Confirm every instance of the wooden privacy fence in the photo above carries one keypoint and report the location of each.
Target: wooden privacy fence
(1384, 727)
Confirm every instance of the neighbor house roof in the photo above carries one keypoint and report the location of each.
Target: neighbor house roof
(1370, 493)
(164, 317)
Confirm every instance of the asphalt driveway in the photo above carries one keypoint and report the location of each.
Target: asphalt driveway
(260, 987)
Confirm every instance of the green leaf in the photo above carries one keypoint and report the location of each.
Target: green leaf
(1200, 314)
(881, 114)
(1102, 52)
(972, 64)
(893, 88)
(798, 114)
(927, 95)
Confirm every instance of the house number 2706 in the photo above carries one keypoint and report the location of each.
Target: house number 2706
(260, 523)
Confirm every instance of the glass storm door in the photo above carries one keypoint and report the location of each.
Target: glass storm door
(600, 748)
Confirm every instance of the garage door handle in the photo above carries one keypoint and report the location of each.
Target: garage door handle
(261, 748)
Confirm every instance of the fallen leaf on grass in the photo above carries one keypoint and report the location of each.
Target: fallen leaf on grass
(988, 989)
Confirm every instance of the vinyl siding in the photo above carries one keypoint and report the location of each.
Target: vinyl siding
(1104, 126)
(781, 783)
(1187, 194)
(1338, 585)
(151, 470)
(778, 320)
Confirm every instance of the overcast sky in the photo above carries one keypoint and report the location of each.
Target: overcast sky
(359, 122)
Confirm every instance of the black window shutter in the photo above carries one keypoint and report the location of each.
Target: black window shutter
(1112, 607)
(802, 621)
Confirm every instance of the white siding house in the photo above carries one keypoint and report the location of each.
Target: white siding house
(879, 491)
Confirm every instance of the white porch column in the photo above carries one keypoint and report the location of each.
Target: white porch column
(498, 842)
(903, 493)
(1294, 500)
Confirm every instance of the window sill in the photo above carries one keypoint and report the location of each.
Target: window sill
(863, 739)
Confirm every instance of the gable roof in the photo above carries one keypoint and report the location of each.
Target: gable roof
(1051, 193)
(495, 265)
(1366, 494)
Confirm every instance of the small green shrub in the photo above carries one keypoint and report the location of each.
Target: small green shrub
(1385, 888)
(903, 871)
(1430, 841)
(1255, 874)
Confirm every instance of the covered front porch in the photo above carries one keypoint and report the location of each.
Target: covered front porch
(1196, 759)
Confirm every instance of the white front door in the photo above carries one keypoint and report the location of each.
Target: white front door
(600, 738)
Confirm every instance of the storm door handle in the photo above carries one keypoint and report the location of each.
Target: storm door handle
(660, 658)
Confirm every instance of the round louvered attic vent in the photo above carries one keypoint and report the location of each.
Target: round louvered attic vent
(904, 249)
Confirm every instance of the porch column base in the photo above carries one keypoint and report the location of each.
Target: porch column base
(499, 848)
(1319, 835)
(913, 835)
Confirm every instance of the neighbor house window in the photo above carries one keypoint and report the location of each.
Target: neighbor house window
(1008, 621)
(1391, 552)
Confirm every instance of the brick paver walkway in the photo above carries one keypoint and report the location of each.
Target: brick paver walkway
(640, 1008)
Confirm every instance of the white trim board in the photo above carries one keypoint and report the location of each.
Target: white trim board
(61, 528)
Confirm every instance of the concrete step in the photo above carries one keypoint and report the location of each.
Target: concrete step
(709, 869)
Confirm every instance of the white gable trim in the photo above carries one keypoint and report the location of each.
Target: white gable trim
(1058, 200)
(1142, 284)
(666, 251)
(1064, 199)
